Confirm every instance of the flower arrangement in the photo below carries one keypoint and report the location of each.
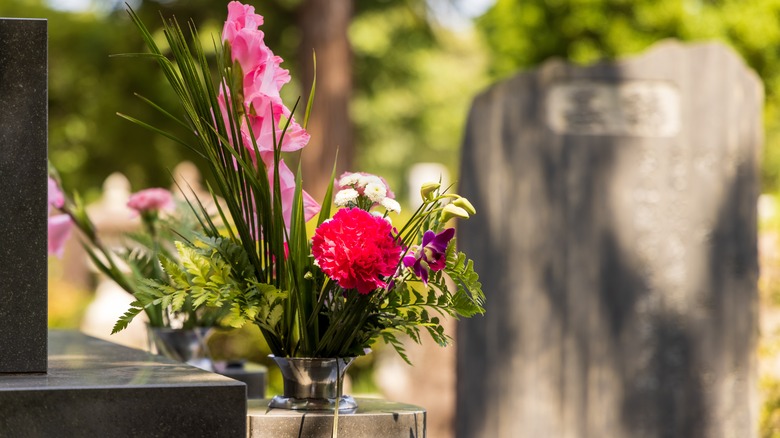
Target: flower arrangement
(357, 279)
(135, 258)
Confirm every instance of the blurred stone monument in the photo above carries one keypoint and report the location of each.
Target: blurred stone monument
(616, 243)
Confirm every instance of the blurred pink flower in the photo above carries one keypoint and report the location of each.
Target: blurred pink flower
(56, 198)
(59, 226)
(150, 200)
(59, 229)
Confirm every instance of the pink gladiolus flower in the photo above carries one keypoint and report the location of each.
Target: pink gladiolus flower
(151, 200)
(240, 16)
(356, 249)
(266, 114)
(287, 186)
(263, 125)
(262, 81)
(59, 228)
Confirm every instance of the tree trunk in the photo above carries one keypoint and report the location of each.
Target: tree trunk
(324, 25)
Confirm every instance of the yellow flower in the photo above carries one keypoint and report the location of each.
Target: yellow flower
(465, 204)
(427, 189)
(451, 210)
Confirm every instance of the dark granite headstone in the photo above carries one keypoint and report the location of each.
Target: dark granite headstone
(616, 242)
(23, 136)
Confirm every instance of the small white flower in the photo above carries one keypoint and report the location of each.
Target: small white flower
(367, 179)
(375, 191)
(345, 197)
(391, 204)
(349, 180)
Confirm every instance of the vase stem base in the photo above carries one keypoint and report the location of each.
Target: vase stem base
(346, 403)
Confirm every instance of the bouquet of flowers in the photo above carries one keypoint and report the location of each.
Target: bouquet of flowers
(136, 256)
(357, 279)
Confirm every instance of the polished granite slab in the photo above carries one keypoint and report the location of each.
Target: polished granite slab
(96, 388)
(373, 418)
(23, 194)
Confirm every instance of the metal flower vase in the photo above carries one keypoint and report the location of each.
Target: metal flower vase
(183, 345)
(313, 384)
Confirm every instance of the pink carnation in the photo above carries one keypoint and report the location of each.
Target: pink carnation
(356, 249)
(155, 199)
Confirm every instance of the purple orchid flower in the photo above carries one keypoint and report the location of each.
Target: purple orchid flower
(432, 254)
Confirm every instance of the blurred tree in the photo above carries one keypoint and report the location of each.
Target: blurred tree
(414, 83)
(383, 65)
(324, 24)
(523, 33)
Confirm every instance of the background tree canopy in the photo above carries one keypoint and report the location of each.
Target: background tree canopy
(411, 83)
(411, 78)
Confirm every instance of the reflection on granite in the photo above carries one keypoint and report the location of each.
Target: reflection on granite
(254, 375)
(96, 388)
(373, 418)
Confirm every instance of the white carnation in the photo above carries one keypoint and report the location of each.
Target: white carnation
(349, 180)
(391, 204)
(367, 179)
(346, 197)
(375, 191)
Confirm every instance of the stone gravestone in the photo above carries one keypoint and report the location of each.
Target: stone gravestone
(616, 242)
(23, 200)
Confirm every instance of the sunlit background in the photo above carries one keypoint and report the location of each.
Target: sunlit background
(413, 67)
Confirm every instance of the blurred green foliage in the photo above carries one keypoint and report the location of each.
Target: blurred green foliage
(523, 33)
(414, 85)
(414, 82)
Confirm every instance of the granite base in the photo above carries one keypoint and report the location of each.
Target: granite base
(94, 388)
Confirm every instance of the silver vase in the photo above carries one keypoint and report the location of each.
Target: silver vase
(182, 345)
(313, 384)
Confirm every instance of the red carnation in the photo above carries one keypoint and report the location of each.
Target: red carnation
(356, 249)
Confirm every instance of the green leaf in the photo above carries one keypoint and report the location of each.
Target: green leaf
(125, 319)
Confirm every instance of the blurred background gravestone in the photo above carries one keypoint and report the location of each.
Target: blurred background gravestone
(23, 124)
(616, 241)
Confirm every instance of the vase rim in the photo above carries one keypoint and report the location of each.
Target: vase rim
(345, 358)
(180, 329)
